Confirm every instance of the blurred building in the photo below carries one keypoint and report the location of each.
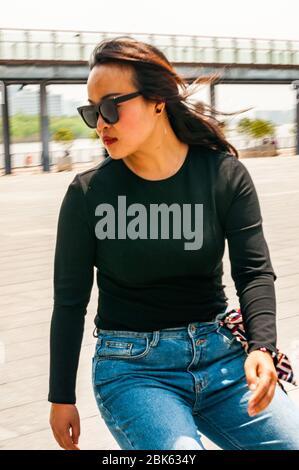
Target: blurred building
(26, 101)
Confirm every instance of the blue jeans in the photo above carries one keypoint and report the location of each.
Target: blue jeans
(161, 389)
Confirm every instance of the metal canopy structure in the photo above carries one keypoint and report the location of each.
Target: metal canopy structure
(47, 57)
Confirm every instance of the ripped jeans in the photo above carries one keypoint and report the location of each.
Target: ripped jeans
(163, 389)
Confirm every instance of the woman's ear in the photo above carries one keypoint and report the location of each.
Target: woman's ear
(160, 107)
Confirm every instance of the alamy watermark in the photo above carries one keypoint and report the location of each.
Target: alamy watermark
(137, 228)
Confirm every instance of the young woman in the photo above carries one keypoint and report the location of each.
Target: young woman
(153, 218)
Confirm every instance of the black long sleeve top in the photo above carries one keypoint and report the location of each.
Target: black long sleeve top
(150, 277)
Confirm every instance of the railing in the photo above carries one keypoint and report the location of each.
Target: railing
(79, 155)
(242, 143)
(94, 154)
(17, 44)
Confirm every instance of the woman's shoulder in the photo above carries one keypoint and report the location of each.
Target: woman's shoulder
(216, 164)
(215, 156)
(83, 179)
(226, 166)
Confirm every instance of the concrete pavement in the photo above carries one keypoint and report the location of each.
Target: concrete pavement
(29, 205)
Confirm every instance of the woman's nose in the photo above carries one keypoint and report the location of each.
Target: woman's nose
(101, 124)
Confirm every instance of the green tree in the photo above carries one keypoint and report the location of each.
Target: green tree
(76, 125)
(24, 127)
(93, 135)
(260, 128)
(256, 128)
(64, 135)
(243, 126)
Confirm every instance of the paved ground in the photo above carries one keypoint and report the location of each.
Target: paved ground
(29, 204)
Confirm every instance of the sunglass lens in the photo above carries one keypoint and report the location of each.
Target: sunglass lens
(109, 111)
(90, 116)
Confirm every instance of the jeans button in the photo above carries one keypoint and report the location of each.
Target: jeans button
(200, 341)
(193, 328)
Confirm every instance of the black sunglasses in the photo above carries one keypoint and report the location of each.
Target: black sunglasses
(107, 108)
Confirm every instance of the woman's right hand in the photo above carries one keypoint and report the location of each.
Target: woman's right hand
(63, 417)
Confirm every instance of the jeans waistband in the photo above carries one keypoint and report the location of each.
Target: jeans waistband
(195, 326)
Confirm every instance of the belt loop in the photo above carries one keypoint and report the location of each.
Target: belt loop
(220, 317)
(95, 329)
(155, 338)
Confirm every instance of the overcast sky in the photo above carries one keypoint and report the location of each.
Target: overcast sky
(254, 18)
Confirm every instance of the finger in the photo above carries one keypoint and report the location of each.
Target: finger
(251, 377)
(75, 440)
(76, 433)
(264, 383)
(254, 401)
(58, 439)
(65, 440)
(263, 403)
(258, 404)
(266, 400)
(68, 443)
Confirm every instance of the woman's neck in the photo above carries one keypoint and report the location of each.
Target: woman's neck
(160, 157)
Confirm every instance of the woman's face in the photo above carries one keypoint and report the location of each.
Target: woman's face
(137, 117)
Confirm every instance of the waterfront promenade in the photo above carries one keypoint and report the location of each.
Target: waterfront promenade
(29, 205)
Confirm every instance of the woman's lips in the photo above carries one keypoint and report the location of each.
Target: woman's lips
(109, 141)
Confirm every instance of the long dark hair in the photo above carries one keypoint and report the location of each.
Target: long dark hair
(193, 123)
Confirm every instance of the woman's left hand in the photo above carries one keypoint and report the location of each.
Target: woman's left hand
(261, 377)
